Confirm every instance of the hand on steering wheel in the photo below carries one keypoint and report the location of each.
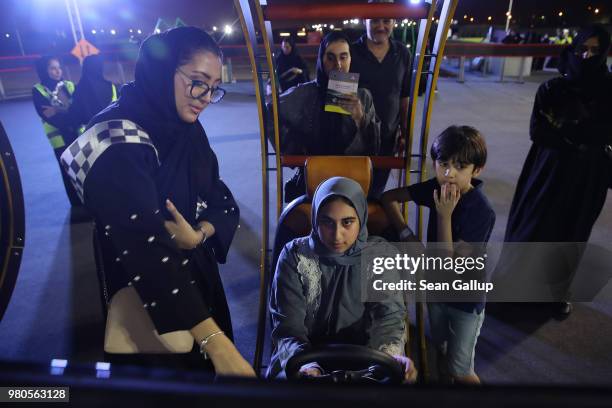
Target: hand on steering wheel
(348, 363)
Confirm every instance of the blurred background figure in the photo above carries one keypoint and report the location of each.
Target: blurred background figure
(52, 98)
(290, 67)
(566, 176)
(93, 92)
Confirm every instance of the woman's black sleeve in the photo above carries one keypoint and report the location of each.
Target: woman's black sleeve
(221, 210)
(121, 193)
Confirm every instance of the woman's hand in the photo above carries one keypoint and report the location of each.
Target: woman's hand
(184, 234)
(410, 372)
(226, 358)
(446, 199)
(352, 104)
(48, 111)
(310, 370)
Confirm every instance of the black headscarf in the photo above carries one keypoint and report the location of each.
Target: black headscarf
(93, 93)
(588, 71)
(149, 101)
(332, 37)
(42, 66)
(285, 62)
(331, 140)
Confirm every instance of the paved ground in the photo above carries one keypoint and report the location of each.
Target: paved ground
(55, 310)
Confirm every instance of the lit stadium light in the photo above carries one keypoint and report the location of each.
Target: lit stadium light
(214, 28)
(415, 1)
(332, 26)
(113, 31)
(560, 14)
(139, 31)
(471, 19)
(93, 32)
(489, 18)
(228, 29)
(345, 22)
(405, 21)
(131, 31)
(157, 31)
(7, 35)
(597, 11)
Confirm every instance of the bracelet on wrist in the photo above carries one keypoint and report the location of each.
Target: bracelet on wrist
(205, 341)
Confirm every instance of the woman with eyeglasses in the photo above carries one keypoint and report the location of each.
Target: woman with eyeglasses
(565, 179)
(164, 218)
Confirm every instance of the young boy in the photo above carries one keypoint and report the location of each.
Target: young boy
(459, 212)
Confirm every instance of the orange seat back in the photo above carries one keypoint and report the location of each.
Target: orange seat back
(320, 168)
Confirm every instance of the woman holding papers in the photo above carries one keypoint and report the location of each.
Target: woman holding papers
(344, 125)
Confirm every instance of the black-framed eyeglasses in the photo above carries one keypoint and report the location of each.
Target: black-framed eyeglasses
(582, 49)
(199, 89)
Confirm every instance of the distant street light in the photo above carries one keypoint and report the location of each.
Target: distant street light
(228, 29)
(113, 31)
(7, 35)
(596, 11)
(560, 14)
(214, 28)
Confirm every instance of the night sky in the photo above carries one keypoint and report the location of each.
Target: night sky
(50, 15)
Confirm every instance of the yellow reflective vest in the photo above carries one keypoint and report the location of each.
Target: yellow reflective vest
(53, 134)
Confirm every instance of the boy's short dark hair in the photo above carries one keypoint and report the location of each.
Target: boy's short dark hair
(463, 144)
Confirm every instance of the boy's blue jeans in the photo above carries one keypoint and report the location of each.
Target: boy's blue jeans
(455, 332)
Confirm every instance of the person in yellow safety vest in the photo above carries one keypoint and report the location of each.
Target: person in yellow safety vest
(563, 37)
(93, 92)
(52, 97)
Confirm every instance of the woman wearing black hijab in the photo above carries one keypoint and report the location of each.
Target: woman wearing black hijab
(52, 97)
(565, 179)
(290, 67)
(306, 128)
(93, 92)
(164, 218)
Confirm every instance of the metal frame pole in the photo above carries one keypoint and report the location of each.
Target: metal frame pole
(67, 2)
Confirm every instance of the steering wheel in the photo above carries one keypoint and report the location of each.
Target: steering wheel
(348, 363)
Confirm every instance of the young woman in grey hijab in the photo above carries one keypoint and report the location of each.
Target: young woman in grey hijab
(316, 292)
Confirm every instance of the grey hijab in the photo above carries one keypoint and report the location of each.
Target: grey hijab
(351, 190)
